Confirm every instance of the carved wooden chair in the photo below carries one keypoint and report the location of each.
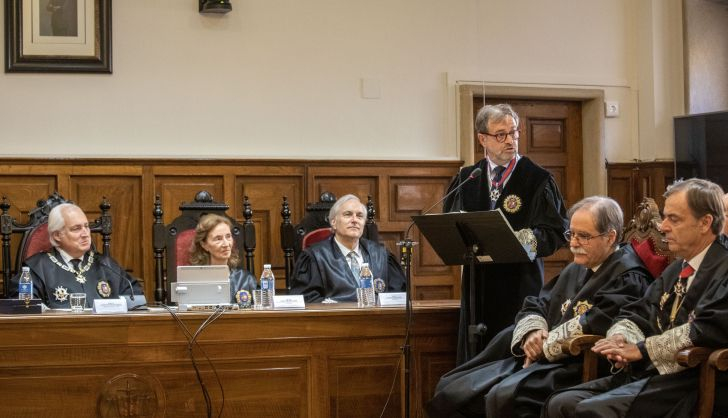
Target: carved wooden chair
(33, 235)
(315, 219)
(710, 361)
(643, 233)
(644, 236)
(175, 239)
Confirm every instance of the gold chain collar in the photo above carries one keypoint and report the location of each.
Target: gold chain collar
(79, 274)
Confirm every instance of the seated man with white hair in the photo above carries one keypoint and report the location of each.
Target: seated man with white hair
(71, 266)
(329, 269)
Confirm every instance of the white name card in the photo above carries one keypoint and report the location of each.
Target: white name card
(392, 299)
(110, 306)
(288, 302)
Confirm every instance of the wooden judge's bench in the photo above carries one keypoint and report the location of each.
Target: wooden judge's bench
(325, 361)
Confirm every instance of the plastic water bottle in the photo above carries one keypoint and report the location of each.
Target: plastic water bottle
(267, 287)
(25, 286)
(366, 298)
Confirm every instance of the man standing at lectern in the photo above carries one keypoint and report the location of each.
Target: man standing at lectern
(531, 202)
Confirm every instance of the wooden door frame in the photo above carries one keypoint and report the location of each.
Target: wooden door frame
(592, 114)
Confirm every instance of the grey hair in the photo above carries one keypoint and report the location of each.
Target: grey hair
(607, 214)
(339, 203)
(704, 198)
(493, 113)
(56, 222)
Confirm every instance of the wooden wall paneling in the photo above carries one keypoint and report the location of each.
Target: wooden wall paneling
(622, 188)
(174, 190)
(356, 383)
(322, 362)
(265, 181)
(361, 186)
(265, 194)
(23, 192)
(127, 215)
(390, 240)
(628, 183)
(409, 197)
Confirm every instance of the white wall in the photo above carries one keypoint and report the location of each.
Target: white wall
(282, 78)
(707, 55)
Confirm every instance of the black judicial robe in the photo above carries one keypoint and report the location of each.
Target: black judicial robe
(105, 279)
(322, 271)
(622, 278)
(241, 279)
(658, 386)
(529, 200)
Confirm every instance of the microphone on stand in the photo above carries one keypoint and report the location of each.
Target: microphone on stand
(473, 175)
(132, 301)
(406, 262)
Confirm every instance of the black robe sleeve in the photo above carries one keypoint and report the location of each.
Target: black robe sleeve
(241, 279)
(307, 279)
(549, 220)
(622, 290)
(397, 282)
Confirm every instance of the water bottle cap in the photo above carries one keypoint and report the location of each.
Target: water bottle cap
(266, 266)
(26, 268)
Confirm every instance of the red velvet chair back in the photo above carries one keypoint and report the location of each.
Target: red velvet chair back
(315, 236)
(172, 243)
(36, 241)
(33, 235)
(184, 247)
(643, 233)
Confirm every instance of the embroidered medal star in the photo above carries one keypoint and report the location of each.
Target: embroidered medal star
(565, 306)
(61, 294)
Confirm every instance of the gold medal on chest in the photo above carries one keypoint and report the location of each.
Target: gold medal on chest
(663, 300)
(242, 297)
(512, 203)
(565, 306)
(103, 288)
(61, 294)
(582, 307)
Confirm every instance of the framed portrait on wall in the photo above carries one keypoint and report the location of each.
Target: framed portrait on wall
(62, 36)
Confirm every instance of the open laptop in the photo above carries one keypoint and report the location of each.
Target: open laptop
(202, 285)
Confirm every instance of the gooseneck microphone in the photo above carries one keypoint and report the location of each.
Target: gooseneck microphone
(406, 263)
(473, 175)
(132, 302)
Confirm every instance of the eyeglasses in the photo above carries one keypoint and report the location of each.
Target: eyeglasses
(581, 237)
(501, 136)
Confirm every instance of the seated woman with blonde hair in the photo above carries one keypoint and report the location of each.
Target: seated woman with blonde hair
(214, 244)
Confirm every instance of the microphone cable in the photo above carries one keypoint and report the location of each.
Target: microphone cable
(191, 343)
(409, 312)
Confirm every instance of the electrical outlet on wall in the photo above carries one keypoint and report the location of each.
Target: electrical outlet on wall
(611, 108)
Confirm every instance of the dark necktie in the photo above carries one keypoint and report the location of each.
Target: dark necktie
(498, 173)
(680, 289)
(496, 187)
(354, 264)
(76, 264)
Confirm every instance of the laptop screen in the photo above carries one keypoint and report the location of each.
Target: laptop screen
(203, 274)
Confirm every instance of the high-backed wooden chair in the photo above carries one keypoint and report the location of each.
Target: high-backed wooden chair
(315, 218)
(33, 235)
(173, 242)
(643, 233)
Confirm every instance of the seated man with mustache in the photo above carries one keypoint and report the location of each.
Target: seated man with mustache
(523, 364)
(330, 269)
